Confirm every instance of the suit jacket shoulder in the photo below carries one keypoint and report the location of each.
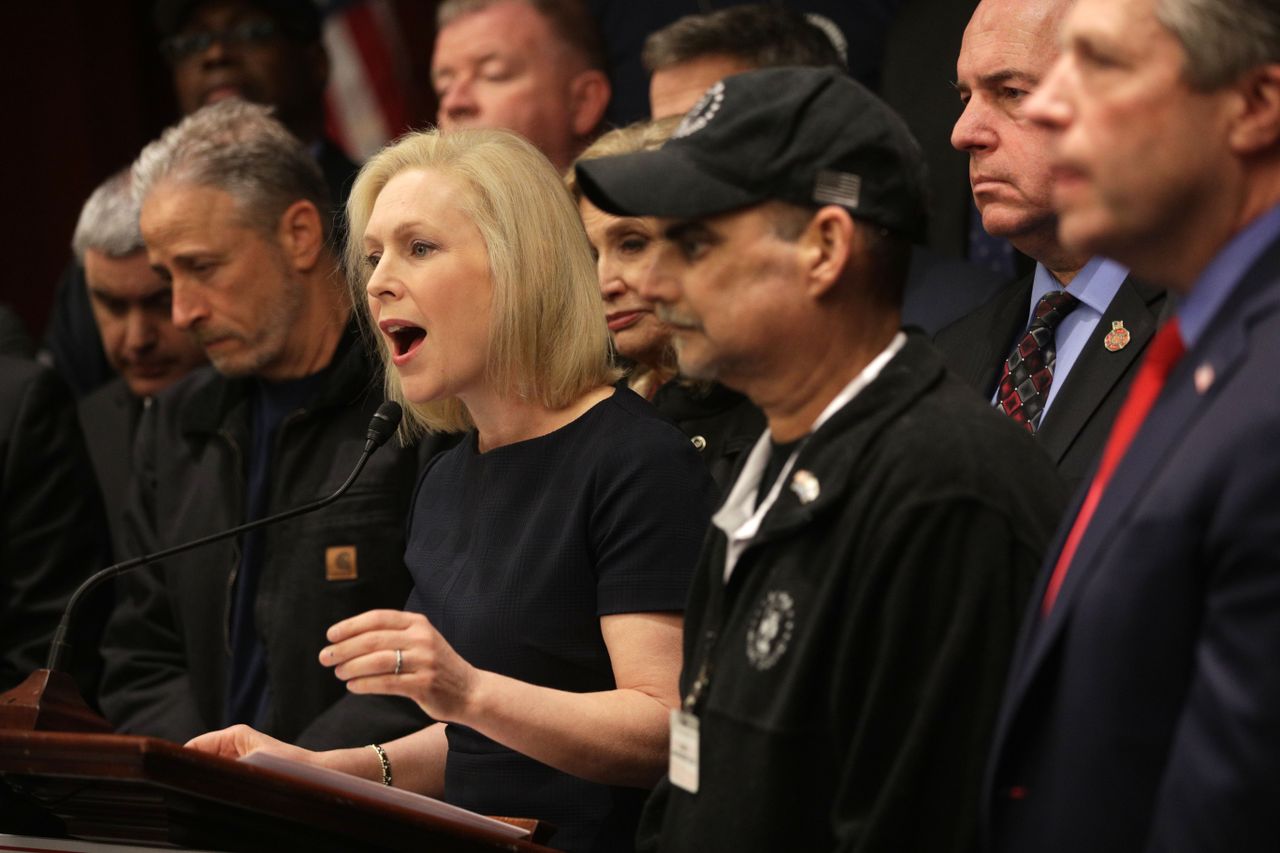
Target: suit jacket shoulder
(1076, 426)
(975, 346)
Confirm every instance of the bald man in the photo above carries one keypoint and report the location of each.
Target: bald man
(1054, 350)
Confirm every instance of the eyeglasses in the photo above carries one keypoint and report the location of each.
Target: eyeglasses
(186, 45)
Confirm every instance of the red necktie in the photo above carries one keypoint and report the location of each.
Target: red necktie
(1166, 349)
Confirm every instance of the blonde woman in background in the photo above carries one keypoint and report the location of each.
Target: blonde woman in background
(720, 423)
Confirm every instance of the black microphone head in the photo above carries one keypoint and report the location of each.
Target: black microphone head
(383, 424)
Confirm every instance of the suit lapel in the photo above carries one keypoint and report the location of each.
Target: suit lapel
(1222, 347)
(1097, 370)
(1000, 323)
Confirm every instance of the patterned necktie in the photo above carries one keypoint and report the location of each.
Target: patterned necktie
(1028, 371)
(1165, 351)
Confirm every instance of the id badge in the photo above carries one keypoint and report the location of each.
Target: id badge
(683, 766)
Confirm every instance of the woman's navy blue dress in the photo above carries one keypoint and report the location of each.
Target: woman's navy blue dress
(517, 553)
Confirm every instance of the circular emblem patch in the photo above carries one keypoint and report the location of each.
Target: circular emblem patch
(702, 113)
(770, 631)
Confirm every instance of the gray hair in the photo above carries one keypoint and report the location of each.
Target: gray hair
(639, 136)
(109, 221)
(243, 150)
(763, 35)
(1222, 38)
(570, 20)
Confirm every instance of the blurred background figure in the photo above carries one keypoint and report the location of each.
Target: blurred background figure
(684, 58)
(721, 423)
(264, 51)
(131, 306)
(535, 67)
(14, 339)
(52, 531)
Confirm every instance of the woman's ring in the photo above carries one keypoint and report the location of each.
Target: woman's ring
(399, 661)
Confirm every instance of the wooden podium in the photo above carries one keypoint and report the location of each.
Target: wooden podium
(135, 790)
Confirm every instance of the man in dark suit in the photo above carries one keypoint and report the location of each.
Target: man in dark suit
(52, 534)
(1143, 709)
(1067, 390)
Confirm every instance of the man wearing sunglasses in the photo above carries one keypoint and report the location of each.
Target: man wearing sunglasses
(265, 51)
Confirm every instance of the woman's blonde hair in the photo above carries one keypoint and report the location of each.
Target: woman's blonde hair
(644, 379)
(548, 339)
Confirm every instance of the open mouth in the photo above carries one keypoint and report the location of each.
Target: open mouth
(404, 338)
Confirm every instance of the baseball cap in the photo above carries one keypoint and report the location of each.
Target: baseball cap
(801, 135)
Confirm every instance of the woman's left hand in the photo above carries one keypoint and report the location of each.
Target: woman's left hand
(364, 650)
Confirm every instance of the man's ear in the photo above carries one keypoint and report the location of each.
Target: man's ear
(827, 244)
(301, 235)
(1256, 125)
(589, 94)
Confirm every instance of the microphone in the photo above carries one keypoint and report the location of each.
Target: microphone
(381, 427)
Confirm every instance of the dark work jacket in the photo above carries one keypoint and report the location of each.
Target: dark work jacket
(109, 416)
(722, 424)
(863, 722)
(13, 335)
(52, 531)
(1076, 426)
(167, 646)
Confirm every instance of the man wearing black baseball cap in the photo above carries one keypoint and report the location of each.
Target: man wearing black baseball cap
(850, 627)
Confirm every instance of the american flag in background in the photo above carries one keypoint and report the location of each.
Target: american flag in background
(368, 99)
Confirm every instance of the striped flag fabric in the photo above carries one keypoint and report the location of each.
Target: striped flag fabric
(367, 101)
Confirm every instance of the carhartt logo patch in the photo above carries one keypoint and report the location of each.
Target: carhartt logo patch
(340, 563)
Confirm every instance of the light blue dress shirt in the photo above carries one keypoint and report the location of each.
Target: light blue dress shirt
(1220, 278)
(1095, 286)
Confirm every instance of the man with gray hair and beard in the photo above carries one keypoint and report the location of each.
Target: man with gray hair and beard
(235, 217)
(1143, 706)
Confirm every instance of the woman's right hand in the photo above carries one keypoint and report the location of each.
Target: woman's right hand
(238, 741)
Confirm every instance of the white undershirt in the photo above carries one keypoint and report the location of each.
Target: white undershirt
(739, 517)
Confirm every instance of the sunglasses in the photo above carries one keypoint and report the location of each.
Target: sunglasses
(186, 45)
